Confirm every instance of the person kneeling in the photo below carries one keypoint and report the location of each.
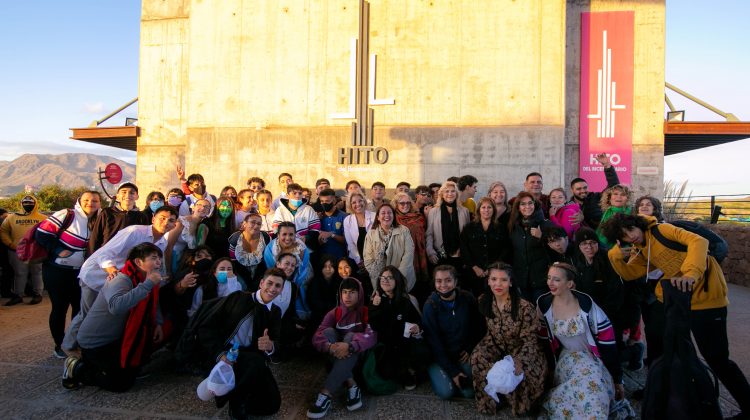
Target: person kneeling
(122, 327)
(344, 334)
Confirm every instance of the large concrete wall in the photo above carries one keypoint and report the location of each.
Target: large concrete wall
(235, 89)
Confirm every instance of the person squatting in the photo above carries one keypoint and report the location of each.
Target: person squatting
(433, 284)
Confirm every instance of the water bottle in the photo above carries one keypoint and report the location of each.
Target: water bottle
(233, 352)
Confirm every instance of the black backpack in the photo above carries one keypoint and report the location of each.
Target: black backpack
(679, 384)
(717, 246)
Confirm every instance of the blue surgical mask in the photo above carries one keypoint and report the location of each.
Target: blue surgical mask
(294, 202)
(175, 200)
(155, 205)
(221, 277)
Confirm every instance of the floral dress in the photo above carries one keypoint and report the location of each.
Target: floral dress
(519, 340)
(583, 387)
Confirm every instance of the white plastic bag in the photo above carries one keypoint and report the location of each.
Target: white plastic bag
(502, 378)
(219, 382)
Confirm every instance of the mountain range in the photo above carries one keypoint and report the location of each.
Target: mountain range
(67, 169)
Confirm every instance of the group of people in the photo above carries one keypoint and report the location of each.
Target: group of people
(434, 283)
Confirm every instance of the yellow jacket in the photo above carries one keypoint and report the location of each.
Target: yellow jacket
(673, 263)
(17, 224)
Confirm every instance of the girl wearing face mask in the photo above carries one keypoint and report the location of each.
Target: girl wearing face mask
(221, 225)
(530, 258)
(154, 201)
(614, 200)
(220, 284)
(512, 327)
(175, 197)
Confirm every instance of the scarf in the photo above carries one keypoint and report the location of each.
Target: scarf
(139, 328)
(416, 224)
(611, 211)
(449, 227)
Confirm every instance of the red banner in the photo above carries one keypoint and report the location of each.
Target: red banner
(606, 111)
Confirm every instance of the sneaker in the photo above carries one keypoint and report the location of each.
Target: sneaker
(353, 398)
(68, 378)
(321, 407)
(36, 299)
(59, 353)
(409, 380)
(14, 300)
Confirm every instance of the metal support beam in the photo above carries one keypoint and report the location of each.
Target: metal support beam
(725, 115)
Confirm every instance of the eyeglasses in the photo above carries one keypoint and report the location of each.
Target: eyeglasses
(423, 194)
(404, 203)
(588, 244)
(526, 203)
(387, 278)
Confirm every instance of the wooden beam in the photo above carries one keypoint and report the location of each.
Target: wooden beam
(121, 137)
(707, 127)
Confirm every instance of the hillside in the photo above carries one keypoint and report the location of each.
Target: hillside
(68, 169)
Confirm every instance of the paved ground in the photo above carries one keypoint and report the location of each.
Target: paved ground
(30, 381)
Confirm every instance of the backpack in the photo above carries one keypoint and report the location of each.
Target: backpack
(717, 246)
(679, 384)
(32, 252)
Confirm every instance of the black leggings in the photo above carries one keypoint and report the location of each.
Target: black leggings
(709, 328)
(101, 367)
(64, 290)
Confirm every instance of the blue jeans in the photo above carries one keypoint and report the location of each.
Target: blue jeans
(442, 383)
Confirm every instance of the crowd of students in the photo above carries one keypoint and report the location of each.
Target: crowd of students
(434, 284)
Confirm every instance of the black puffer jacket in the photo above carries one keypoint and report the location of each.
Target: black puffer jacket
(530, 257)
(592, 211)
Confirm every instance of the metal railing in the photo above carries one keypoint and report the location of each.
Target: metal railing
(708, 208)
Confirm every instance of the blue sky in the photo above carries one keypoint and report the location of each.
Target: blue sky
(67, 63)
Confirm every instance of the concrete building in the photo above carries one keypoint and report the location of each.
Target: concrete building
(385, 90)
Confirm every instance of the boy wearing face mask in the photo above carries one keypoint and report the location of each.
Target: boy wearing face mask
(196, 186)
(294, 209)
(14, 227)
(331, 237)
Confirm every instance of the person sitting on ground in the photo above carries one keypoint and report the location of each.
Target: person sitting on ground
(221, 283)
(322, 294)
(345, 335)
(253, 322)
(453, 326)
(685, 260)
(587, 376)
(122, 327)
(512, 327)
(395, 316)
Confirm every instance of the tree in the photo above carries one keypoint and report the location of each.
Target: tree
(50, 198)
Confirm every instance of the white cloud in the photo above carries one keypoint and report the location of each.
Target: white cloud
(93, 108)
